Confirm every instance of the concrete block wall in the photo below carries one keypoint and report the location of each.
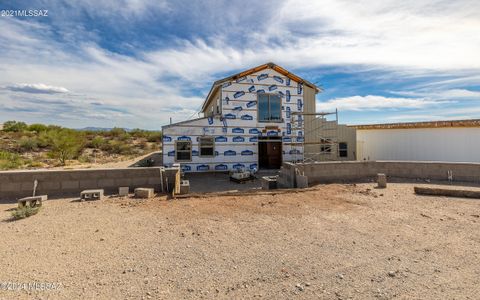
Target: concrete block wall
(327, 172)
(62, 183)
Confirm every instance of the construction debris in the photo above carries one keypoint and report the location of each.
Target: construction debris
(92, 195)
(32, 201)
(475, 194)
(269, 182)
(144, 193)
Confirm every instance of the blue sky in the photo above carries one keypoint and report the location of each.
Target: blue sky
(137, 63)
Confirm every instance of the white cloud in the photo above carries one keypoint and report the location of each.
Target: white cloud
(37, 88)
(372, 102)
(463, 94)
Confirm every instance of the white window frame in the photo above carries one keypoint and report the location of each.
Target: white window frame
(183, 151)
(211, 142)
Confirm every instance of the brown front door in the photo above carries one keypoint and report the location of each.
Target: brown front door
(269, 154)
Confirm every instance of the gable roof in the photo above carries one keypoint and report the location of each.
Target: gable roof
(270, 65)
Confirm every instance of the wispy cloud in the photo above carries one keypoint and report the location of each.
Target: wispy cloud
(36, 88)
(372, 102)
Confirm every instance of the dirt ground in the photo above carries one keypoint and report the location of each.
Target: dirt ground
(333, 242)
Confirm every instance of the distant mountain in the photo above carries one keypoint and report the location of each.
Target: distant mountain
(97, 129)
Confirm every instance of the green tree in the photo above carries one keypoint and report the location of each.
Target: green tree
(37, 128)
(14, 126)
(65, 144)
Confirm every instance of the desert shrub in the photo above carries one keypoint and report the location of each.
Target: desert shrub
(27, 144)
(65, 144)
(37, 128)
(14, 126)
(138, 133)
(24, 212)
(118, 147)
(116, 132)
(96, 142)
(154, 136)
(9, 160)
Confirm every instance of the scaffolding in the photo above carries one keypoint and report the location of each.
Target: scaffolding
(317, 136)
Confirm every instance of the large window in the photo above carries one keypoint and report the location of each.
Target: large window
(183, 151)
(206, 146)
(269, 108)
(342, 149)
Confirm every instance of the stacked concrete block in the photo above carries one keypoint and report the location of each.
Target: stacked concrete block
(144, 193)
(184, 187)
(123, 191)
(381, 180)
(269, 182)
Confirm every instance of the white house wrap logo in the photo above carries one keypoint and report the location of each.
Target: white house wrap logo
(167, 138)
(230, 153)
(184, 138)
(246, 117)
(238, 130)
(251, 103)
(238, 139)
(221, 139)
(272, 87)
(278, 79)
(203, 168)
(246, 152)
(221, 167)
(230, 116)
(239, 166)
(262, 77)
(238, 94)
(251, 89)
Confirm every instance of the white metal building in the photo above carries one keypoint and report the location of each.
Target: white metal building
(452, 141)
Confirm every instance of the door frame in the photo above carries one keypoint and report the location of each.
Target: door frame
(270, 139)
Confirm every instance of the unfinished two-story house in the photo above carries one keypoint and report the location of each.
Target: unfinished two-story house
(256, 119)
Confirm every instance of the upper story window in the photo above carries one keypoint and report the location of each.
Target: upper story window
(269, 108)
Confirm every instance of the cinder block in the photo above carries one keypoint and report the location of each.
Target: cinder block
(269, 182)
(32, 201)
(91, 195)
(123, 191)
(381, 180)
(184, 187)
(144, 193)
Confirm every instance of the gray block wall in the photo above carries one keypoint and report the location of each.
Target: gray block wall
(63, 183)
(327, 172)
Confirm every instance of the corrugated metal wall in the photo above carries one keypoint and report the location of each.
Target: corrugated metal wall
(457, 144)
